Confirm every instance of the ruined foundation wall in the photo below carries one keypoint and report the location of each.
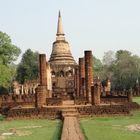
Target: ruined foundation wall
(18, 100)
(80, 101)
(114, 100)
(55, 112)
(53, 101)
(103, 110)
(33, 113)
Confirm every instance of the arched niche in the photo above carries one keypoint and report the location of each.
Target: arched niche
(69, 73)
(53, 74)
(61, 74)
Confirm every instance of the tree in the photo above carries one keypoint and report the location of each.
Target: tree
(7, 74)
(122, 68)
(127, 69)
(97, 66)
(8, 54)
(107, 65)
(28, 68)
(108, 58)
(122, 53)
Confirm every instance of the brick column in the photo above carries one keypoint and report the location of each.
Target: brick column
(96, 92)
(77, 81)
(81, 77)
(88, 74)
(41, 91)
(43, 69)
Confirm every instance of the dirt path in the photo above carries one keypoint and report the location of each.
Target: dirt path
(71, 129)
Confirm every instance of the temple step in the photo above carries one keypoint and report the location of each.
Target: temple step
(68, 102)
(69, 112)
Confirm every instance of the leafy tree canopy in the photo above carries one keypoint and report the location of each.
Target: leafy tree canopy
(28, 68)
(97, 66)
(8, 52)
(108, 58)
(123, 69)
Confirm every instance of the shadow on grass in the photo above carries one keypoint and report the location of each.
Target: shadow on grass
(58, 131)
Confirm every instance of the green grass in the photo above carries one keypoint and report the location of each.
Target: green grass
(2, 117)
(136, 99)
(45, 130)
(111, 128)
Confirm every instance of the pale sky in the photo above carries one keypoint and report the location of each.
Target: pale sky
(97, 25)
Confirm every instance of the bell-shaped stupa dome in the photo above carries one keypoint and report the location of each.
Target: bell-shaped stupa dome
(61, 53)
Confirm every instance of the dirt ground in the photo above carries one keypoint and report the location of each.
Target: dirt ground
(133, 127)
(20, 131)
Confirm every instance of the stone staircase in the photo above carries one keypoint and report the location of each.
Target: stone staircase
(69, 110)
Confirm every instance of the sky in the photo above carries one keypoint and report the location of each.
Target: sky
(97, 25)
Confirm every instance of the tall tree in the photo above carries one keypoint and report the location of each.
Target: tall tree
(28, 68)
(108, 58)
(97, 67)
(108, 65)
(123, 69)
(8, 54)
(7, 74)
(127, 69)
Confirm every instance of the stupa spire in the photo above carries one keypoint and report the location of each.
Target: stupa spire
(60, 33)
(61, 54)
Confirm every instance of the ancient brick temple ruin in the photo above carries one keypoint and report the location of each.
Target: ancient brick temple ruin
(65, 88)
(62, 66)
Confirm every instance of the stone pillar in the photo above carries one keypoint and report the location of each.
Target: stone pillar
(22, 91)
(81, 77)
(49, 81)
(88, 74)
(41, 90)
(43, 69)
(108, 88)
(129, 95)
(83, 87)
(96, 92)
(77, 81)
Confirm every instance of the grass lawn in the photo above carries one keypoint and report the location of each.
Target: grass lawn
(31, 129)
(136, 99)
(112, 128)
